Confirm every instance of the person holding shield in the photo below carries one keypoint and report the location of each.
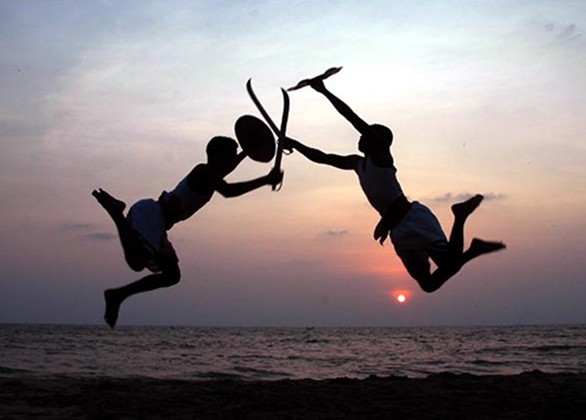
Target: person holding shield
(143, 230)
(414, 230)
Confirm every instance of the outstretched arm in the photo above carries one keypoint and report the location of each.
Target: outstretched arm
(341, 162)
(359, 124)
(240, 188)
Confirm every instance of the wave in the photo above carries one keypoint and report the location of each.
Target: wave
(484, 362)
(554, 347)
(241, 373)
(256, 373)
(4, 370)
(215, 376)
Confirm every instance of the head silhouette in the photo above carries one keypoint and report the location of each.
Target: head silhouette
(376, 139)
(222, 152)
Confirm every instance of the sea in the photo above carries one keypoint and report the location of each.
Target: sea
(204, 353)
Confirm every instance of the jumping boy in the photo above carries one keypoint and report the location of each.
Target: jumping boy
(143, 231)
(414, 230)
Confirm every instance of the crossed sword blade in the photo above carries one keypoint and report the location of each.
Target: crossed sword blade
(284, 118)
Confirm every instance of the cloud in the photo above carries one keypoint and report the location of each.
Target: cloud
(456, 198)
(569, 32)
(99, 236)
(494, 197)
(86, 231)
(335, 233)
(562, 32)
(77, 227)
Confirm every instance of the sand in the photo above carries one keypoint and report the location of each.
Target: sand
(532, 395)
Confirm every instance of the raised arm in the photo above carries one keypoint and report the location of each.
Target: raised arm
(341, 162)
(359, 124)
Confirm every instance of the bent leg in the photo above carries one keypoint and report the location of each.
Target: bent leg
(451, 260)
(169, 276)
(450, 263)
(438, 278)
(135, 253)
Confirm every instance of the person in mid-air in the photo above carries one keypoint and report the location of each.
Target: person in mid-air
(143, 231)
(414, 230)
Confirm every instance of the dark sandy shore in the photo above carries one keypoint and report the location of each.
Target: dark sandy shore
(446, 396)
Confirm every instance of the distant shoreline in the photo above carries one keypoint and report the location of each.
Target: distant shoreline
(123, 326)
(532, 395)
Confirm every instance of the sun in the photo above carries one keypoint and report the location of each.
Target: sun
(400, 297)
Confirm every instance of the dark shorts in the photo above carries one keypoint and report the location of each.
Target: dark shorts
(147, 220)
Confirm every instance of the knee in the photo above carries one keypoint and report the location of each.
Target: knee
(427, 286)
(135, 266)
(171, 276)
(424, 279)
(135, 262)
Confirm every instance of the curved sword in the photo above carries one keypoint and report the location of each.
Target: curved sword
(280, 133)
(261, 109)
(284, 120)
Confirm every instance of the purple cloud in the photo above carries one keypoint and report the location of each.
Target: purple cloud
(456, 198)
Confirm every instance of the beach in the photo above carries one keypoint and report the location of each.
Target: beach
(532, 395)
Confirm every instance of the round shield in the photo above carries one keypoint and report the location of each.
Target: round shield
(255, 138)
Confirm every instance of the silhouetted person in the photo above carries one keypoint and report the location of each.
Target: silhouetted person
(414, 230)
(143, 231)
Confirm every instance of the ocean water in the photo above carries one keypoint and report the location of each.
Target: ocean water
(294, 353)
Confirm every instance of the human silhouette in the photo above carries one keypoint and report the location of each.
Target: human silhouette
(143, 231)
(414, 230)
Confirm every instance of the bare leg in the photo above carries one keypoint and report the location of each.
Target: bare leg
(136, 256)
(449, 265)
(452, 261)
(461, 212)
(114, 297)
(134, 250)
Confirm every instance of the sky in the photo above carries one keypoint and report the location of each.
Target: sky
(483, 97)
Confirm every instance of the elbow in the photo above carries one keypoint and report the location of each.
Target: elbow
(228, 194)
(232, 192)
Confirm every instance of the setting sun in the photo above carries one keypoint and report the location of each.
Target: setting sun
(400, 296)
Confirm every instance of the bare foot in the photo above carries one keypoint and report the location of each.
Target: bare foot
(112, 205)
(480, 247)
(466, 208)
(112, 307)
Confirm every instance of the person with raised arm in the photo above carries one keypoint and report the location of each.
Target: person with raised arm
(413, 229)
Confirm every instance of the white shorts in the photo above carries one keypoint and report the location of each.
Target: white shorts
(416, 234)
(147, 219)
